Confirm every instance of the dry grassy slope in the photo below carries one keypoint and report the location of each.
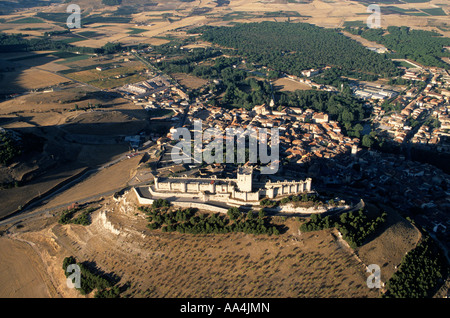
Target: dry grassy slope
(179, 265)
(395, 239)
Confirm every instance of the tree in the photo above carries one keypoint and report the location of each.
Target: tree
(160, 203)
(9, 148)
(357, 129)
(68, 261)
(367, 141)
(233, 213)
(111, 48)
(261, 213)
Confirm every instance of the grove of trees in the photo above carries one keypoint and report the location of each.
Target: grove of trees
(421, 272)
(91, 281)
(293, 47)
(189, 221)
(237, 87)
(424, 47)
(67, 216)
(355, 227)
(9, 148)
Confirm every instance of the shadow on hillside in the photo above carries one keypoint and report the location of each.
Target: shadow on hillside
(93, 268)
(12, 71)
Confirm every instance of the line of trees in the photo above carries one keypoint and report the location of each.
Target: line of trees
(67, 216)
(266, 202)
(18, 42)
(356, 227)
(189, 221)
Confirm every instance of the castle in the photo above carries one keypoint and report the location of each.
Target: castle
(242, 190)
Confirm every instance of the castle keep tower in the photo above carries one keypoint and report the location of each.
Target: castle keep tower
(245, 179)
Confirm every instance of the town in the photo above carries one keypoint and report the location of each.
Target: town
(225, 149)
(312, 146)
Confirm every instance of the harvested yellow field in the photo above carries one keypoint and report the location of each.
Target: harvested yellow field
(22, 273)
(286, 84)
(189, 81)
(24, 80)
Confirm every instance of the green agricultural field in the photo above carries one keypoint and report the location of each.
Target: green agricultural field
(53, 17)
(28, 57)
(435, 11)
(71, 40)
(404, 64)
(109, 83)
(64, 55)
(355, 24)
(161, 113)
(419, 14)
(74, 59)
(27, 20)
(398, 10)
(136, 31)
(97, 18)
(237, 15)
(107, 79)
(89, 34)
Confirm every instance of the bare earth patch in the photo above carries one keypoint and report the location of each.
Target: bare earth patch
(286, 84)
(21, 271)
(189, 81)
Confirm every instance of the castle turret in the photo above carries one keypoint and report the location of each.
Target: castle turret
(308, 184)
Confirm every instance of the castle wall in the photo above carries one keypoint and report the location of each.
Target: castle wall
(218, 190)
(274, 189)
(193, 187)
(168, 194)
(201, 206)
(142, 200)
(246, 196)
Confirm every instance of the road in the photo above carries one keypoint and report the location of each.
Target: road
(23, 216)
(42, 201)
